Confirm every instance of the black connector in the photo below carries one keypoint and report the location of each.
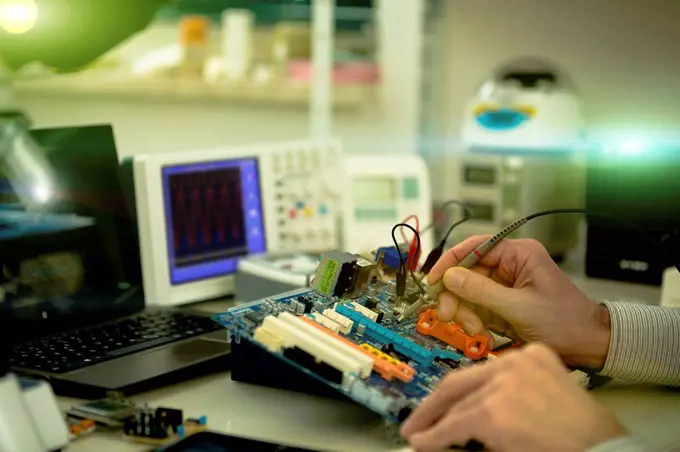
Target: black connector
(401, 283)
(432, 258)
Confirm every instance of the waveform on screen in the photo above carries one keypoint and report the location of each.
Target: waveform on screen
(207, 213)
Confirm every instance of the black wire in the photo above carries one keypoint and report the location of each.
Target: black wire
(402, 263)
(615, 219)
(468, 211)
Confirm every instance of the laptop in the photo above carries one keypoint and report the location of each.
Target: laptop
(82, 324)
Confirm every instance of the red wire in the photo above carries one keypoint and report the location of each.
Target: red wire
(412, 259)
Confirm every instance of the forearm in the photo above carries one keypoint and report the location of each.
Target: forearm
(644, 344)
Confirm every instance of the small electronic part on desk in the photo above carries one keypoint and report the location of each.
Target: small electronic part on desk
(162, 426)
(108, 412)
(199, 212)
(264, 275)
(382, 192)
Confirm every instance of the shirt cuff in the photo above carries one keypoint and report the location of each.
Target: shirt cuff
(627, 444)
(644, 344)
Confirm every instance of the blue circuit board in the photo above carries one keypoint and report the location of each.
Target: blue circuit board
(430, 358)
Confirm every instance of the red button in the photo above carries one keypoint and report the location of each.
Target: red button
(293, 213)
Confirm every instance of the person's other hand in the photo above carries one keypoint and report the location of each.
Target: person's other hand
(524, 401)
(518, 289)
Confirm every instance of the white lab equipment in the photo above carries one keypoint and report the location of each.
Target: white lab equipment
(198, 212)
(381, 192)
(237, 36)
(522, 153)
(526, 106)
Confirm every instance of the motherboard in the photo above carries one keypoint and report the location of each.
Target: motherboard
(344, 332)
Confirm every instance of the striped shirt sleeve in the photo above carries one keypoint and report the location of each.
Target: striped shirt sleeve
(644, 344)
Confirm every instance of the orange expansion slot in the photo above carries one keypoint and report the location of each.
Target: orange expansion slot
(384, 365)
(473, 347)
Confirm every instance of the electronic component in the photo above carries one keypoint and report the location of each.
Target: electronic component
(162, 426)
(109, 412)
(77, 428)
(200, 212)
(452, 334)
(382, 193)
(342, 274)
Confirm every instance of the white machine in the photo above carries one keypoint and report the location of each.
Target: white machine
(522, 137)
(670, 288)
(199, 211)
(382, 192)
(527, 106)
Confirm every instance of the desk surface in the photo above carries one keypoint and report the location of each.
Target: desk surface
(651, 413)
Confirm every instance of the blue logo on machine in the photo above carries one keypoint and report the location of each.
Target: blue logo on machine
(503, 118)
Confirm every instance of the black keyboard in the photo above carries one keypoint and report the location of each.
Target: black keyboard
(84, 347)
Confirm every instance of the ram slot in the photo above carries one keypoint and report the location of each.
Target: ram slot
(345, 323)
(292, 336)
(384, 365)
(365, 363)
(388, 367)
(324, 321)
(364, 311)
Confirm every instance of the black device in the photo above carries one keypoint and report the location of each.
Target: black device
(640, 185)
(216, 442)
(78, 312)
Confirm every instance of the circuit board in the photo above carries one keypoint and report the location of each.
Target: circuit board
(344, 332)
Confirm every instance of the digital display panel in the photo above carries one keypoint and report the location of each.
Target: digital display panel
(213, 216)
(480, 175)
(372, 191)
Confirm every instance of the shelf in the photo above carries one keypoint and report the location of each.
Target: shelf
(272, 93)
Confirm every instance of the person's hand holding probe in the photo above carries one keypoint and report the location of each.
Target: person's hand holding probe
(518, 289)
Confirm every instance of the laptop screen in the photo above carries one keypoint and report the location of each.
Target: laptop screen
(213, 215)
(77, 262)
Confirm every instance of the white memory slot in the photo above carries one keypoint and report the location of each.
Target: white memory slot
(325, 322)
(270, 340)
(345, 323)
(294, 336)
(364, 311)
(366, 362)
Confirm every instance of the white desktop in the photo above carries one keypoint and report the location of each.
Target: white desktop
(198, 212)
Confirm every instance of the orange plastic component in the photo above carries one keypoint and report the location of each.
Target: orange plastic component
(388, 367)
(384, 365)
(473, 347)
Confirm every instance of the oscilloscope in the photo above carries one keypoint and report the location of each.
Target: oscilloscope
(198, 212)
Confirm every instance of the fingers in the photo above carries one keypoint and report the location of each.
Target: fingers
(453, 388)
(453, 256)
(480, 290)
(457, 428)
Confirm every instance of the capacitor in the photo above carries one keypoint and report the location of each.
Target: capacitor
(294, 306)
(388, 316)
(361, 329)
(300, 308)
(466, 362)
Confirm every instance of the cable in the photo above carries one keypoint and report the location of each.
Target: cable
(437, 252)
(469, 213)
(403, 270)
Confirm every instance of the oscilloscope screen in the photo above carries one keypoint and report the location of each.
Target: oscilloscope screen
(213, 217)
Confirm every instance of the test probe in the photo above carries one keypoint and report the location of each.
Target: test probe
(482, 250)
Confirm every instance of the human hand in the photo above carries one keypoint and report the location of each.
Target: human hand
(518, 289)
(524, 401)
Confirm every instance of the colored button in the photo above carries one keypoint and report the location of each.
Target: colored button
(308, 212)
(323, 210)
(292, 213)
(300, 205)
(410, 188)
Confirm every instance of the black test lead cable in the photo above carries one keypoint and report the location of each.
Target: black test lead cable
(402, 270)
(437, 252)
(482, 250)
